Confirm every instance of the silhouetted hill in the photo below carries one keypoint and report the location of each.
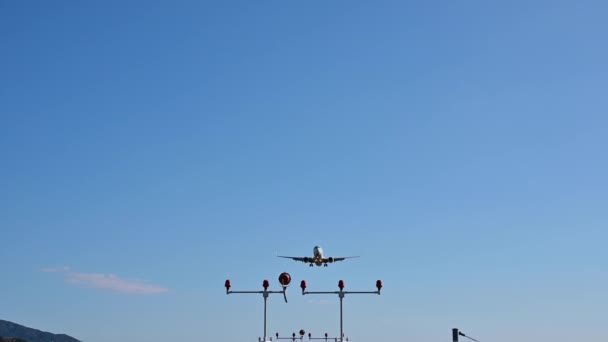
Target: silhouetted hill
(19, 333)
(11, 339)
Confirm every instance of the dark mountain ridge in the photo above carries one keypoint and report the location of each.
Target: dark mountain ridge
(13, 332)
(11, 339)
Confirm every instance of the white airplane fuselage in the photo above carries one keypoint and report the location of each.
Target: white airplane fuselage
(317, 256)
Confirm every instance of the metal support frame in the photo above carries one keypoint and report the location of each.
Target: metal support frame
(326, 339)
(265, 294)
(293, 337)
(341, 295)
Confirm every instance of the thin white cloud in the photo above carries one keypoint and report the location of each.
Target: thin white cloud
(109, 282)
(56, 269)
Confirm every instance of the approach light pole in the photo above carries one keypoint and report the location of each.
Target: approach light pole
(324, 338)
(284, 280)
(293, 336)
(341, 294)
(456, 333)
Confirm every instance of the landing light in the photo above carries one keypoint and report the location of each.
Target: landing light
(284, 279)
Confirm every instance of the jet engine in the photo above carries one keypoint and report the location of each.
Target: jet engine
(307, 259)
(330, 260)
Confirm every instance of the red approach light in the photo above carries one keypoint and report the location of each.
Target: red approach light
(309, 335)
(302, 332)
(379, 284)
(293, 335)
(284, 279)
(325, 335)
(277, 334)
(341, 285)
(303, 285)
(265, 284)
(227, 284)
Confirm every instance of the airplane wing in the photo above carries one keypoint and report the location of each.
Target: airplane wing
(334, 259)
(304, 259)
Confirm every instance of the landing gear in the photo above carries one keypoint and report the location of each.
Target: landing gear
(325, 265)
(311, 265)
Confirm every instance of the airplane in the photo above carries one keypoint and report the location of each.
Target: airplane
(317, 258)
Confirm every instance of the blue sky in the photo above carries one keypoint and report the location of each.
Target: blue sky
(151, 150)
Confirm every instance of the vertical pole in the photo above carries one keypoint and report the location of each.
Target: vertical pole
(454, 335)
(341, 324)
(265, 299)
